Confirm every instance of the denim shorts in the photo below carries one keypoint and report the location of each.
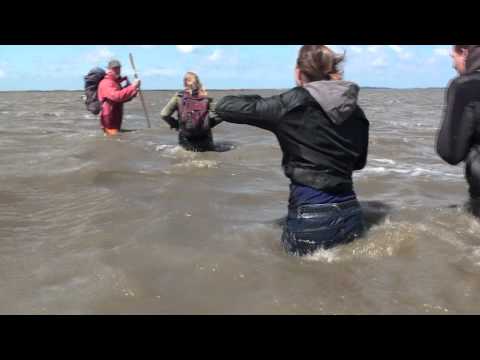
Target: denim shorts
(322, 226)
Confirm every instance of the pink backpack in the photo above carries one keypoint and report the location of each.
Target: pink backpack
(193, 115)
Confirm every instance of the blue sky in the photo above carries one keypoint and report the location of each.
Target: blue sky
(47, 67)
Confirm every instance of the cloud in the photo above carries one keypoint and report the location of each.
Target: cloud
(160, 72)
(2, 74)
(187, 48)
(216, 55)
(147, 46)
(356, 49)
(101, 54)
(397, 48)
(377, 55)
(405, 55)
(379, 63)
(401, 52)
(443, 51)
(373, 48)
(438, 53)
(336, 48)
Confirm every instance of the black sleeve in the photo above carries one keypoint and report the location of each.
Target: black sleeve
(455, 135)
(362, 160)
(251, 110)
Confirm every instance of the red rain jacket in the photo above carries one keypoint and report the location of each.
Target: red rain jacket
(112, 96)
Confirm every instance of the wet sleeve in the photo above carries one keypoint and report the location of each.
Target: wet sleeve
(364, 134)
(120, 95)
(168, 111)
(455, 135)
(251, 110)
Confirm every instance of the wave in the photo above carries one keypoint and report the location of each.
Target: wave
(413, 171)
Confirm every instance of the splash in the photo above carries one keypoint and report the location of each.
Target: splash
(384, 240)
(201, 164)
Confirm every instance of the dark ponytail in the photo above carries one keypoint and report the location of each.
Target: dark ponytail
(319, 62)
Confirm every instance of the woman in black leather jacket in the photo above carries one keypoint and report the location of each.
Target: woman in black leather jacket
(323, 134)
(459, 136)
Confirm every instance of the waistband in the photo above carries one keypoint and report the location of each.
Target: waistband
(309, 211)
(319, 179)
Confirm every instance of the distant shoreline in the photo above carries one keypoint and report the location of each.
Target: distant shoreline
(173, 90)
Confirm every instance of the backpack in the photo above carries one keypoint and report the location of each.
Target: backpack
(193, 115)
(92, 80)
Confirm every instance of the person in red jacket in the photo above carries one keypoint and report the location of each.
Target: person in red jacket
(112, 96)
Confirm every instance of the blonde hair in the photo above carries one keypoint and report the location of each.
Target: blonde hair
(319, 62)
(197, 85)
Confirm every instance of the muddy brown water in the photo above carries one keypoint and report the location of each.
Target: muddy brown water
(136, 225)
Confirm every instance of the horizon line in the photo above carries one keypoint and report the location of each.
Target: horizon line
(233, 89)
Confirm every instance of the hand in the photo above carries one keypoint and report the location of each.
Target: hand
(137, 83)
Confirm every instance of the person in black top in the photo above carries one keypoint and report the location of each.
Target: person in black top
(459, 136)
(323, 134)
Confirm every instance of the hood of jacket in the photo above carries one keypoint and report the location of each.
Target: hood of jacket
(473, 59)
(337, 98)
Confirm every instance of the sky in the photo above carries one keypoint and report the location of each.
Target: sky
(62, 67)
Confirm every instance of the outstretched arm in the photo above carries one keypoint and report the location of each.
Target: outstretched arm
(251, 110)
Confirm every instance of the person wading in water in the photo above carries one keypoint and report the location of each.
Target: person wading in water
(195, 118)
(459, 136)
(323, 134)
(112, 97)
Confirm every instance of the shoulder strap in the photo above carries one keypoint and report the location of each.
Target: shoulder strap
(181, 103)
